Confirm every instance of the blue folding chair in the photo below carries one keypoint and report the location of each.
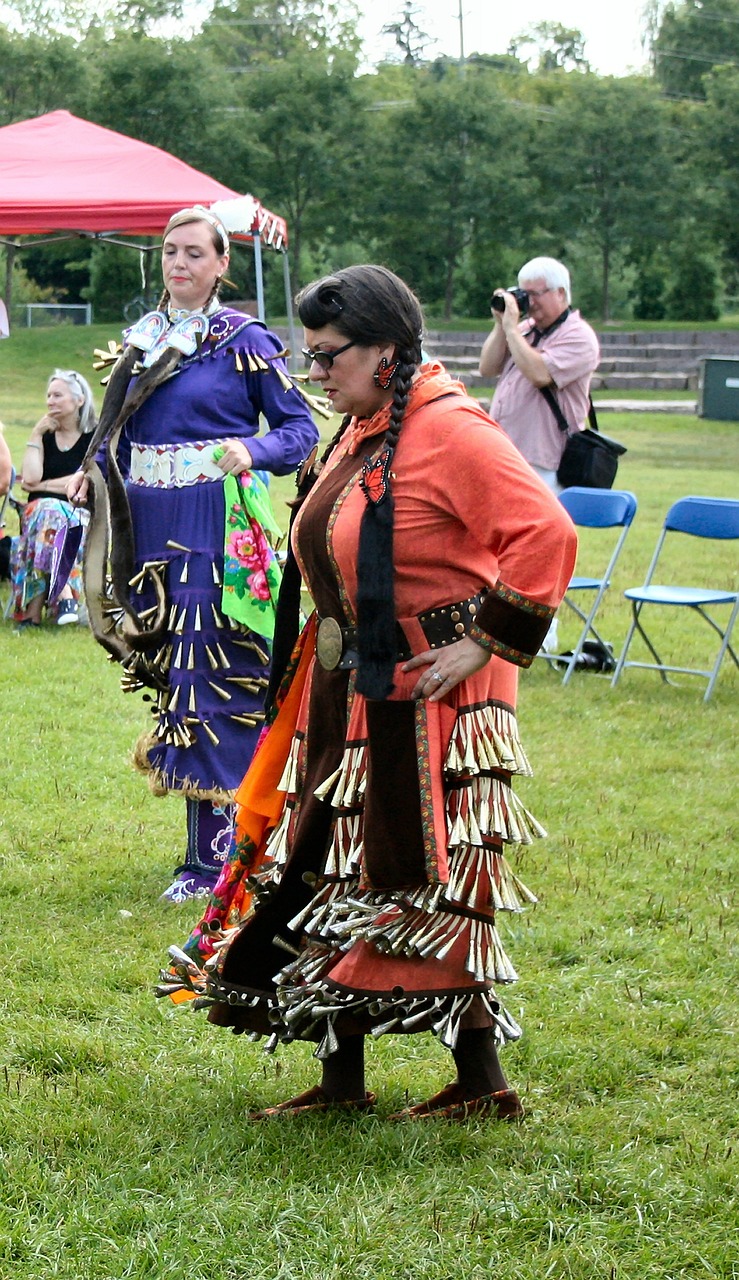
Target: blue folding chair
(593, 509)
(714, 518)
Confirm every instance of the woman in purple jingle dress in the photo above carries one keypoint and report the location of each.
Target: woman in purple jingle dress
(182, 412)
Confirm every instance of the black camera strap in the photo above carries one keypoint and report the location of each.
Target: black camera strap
(562, 422)
(547, 392)
(544, 333)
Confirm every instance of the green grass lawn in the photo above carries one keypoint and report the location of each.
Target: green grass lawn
(124, 1147)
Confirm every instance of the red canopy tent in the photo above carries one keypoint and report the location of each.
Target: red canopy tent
(60, 174)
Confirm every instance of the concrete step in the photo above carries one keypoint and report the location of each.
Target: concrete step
(676, 381)
(646, 406)
(654, 351)
(666, 366)
(465, 368)
(453, 360)
(658, 357)
(719, 341)
(448, 346)
(653, 363)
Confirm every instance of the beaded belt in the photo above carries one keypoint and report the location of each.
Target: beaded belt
(336, 646)
(174, 466)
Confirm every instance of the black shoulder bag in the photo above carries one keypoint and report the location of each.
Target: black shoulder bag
(589, 458)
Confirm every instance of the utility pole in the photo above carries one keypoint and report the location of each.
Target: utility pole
(461, 38)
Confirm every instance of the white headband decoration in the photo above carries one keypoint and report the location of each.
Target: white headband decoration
(237, 215)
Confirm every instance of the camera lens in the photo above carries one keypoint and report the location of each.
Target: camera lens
(497, 302)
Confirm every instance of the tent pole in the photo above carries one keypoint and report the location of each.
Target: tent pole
(9, 256)
(259, 274)
(293, 360)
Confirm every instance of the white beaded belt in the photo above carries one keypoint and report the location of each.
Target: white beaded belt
(173, 466)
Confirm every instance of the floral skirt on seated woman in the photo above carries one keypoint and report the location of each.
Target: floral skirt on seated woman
(31, 554)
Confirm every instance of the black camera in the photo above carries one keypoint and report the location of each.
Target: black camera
(497, 303)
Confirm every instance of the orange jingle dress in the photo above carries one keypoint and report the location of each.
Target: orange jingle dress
(373, 834)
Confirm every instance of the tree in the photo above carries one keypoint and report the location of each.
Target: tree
(141, 16)
(38, 74)
(718, 136)
(440, 183)
(75, 17)
(61, 267)
(295, 139)
(692, 37)
(559, 48)
(411, 41)
(607, 170)
(693, 294)
(161, 92)
(115, 278)
(246, 33)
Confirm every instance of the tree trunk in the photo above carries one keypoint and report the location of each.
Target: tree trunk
(605, 282)
(449, 289)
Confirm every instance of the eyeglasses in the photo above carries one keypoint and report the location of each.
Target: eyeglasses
(324, 358)
(538, 293)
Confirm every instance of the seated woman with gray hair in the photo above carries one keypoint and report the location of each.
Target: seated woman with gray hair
(54, 452)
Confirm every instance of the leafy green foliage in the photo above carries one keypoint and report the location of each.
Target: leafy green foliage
(292, 159)
(695, 288)
(451, 175)
(455, 130)
(115, 278)
(591, 150)
(157, 91)
(719, 157)
(692, 37)
(557, 47)
(38, 74)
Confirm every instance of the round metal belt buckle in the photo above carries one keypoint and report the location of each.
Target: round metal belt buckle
(329, 644)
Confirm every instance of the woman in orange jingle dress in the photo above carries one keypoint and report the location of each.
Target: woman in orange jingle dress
(376, 814)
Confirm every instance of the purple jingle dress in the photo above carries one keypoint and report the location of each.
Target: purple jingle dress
(207, 720)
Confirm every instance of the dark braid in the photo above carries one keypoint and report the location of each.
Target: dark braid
(122, 399)
(377, 640)
(402, 382)
(372, 307)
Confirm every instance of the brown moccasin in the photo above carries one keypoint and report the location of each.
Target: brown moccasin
(454, 1103)
(313, 1101)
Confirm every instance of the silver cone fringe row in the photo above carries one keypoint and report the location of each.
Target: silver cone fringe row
(482, 812)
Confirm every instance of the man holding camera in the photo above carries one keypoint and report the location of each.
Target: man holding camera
(538, 341)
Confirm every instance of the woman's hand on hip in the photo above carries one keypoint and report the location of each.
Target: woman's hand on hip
(234, 458)
(442, 669)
